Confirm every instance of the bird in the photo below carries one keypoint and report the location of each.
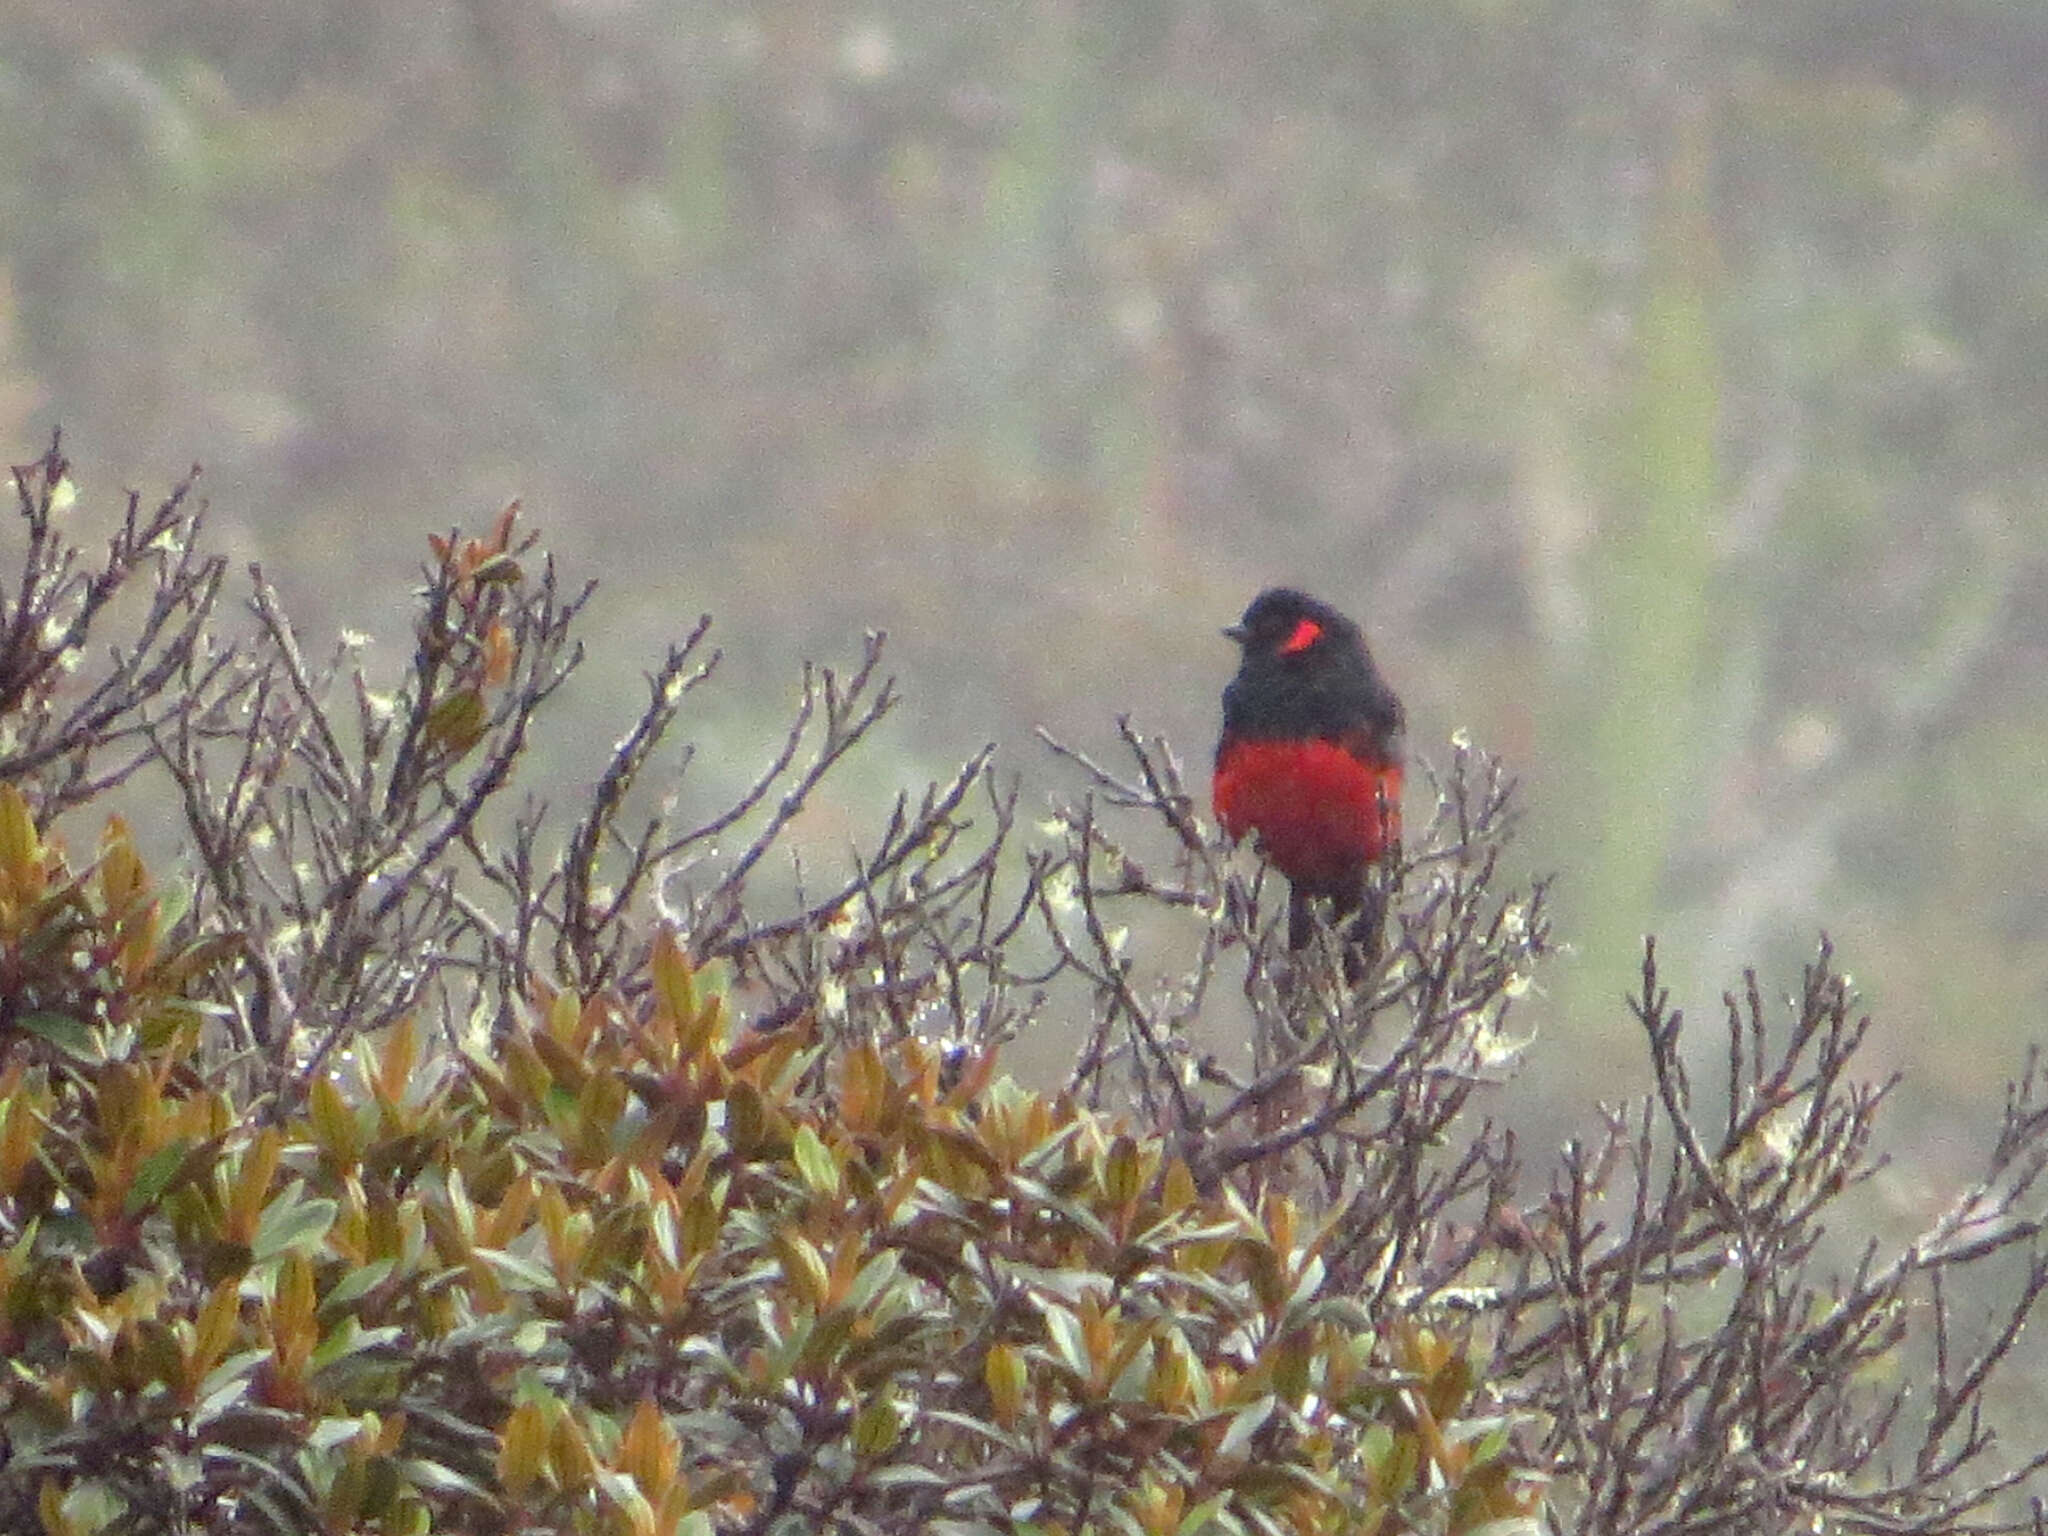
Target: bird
(1310, 762)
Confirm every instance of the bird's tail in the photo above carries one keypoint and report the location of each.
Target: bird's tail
(1359, 921)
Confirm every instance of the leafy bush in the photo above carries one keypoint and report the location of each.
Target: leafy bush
(412, 1165)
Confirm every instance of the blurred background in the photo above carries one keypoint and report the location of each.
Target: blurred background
(1662, 386)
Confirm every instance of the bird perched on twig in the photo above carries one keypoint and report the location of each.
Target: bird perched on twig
(1310, 761)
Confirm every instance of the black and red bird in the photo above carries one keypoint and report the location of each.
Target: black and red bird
(1310, 758)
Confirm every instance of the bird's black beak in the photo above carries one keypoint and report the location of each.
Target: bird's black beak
(1234, 632)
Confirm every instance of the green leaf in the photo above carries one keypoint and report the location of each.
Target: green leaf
(877, 1427)
(267, 1500)
(905, 1475)
(351, 1338)
(357, 1283)
(456, 723)
(520, 1274)
(1248, 1422)
(1209, 1515)
(1492, 1433)
(291, 1223)
(875, 1276)
(435, 1478)
(92, 1507)
(172, 903)
(814, 1160)
(155, 1174)
(226, 1384)
(1313, 1273)
(328, 1433)
(74, 1037)
(1067, 1341)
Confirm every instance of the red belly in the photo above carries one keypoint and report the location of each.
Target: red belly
(1321, 814)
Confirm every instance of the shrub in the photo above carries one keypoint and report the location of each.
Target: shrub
(411, 1164)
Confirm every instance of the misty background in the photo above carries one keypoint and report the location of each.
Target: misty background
(1661, 385)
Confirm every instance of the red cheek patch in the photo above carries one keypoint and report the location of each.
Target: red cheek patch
(1306, 634)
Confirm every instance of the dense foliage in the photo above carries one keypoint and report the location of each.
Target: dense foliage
(401, 1165)
(636, 1268)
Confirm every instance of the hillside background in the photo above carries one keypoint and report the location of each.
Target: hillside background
(1660, 384)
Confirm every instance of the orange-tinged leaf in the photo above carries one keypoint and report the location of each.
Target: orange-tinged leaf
(130, 1105)
(291, 1308)
(565, 1015)
(1283, 1220)
(138, 944)
(213, 1330)
(499, 654)
(1449, 1385)
(863, 1086)
(122, 880)
(564, 1066)
(1168, 1385)
(648, 1451)
(1428, 1351)
(803, 1266)
(570, 1455)
(457, 723)
(707, 1030)
(334, 1123)
(195, 959)
(877, 1427)
(522, 1447)
(565, 1241)
(22, 875)
(1121, 1351)
(1098, 1329)
(501, 531)
(1263, 1268)
(761, 1055)
(1158, 1509)
(21, 1128)
(1123, 1174)
(974, 1078)
(396, 1059)
(675, 983)
(899, 1191)
(1002, 1368)
(50, 1505)
(252, 1187)
(498, 1227)
(703, 1218)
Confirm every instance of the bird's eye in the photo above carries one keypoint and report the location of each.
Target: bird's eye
(1306, 633)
